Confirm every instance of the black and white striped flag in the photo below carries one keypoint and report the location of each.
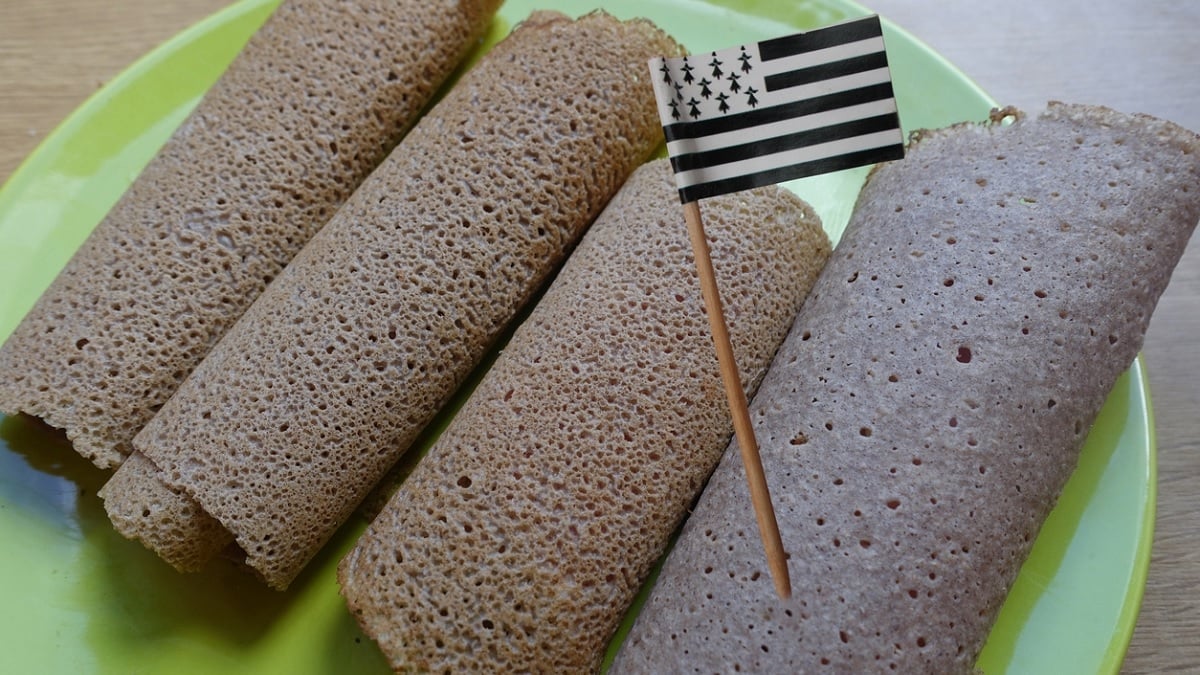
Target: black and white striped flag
(785, 108)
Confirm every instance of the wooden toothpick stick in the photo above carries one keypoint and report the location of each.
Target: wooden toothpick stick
(760, 496)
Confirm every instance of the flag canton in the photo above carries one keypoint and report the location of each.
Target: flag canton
(724, 82)
(779, 109)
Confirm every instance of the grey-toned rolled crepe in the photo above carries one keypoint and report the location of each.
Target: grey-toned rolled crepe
(520, 539)
(331, 374)
(932, 398)
(311, 105)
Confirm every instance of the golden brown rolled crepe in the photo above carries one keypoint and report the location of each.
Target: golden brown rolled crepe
(932, 398)
(312, 104)
(331, 374)
(520, 539)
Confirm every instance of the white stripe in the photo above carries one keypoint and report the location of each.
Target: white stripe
(787, 158)
(843, 83)
(823, 56)
(781, 128)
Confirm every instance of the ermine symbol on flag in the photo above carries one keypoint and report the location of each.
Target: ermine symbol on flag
(780, 109)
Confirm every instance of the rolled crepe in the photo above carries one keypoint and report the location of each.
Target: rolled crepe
(521, 538)
(143, 507)
(311, 105)
(931, 400)
(331, 374)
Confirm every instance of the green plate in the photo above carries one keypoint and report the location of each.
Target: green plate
(78, 598)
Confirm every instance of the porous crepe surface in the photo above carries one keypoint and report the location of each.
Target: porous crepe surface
(930, 401)
(331, 374)
(519, 541)
(311, 105)
(142, 507)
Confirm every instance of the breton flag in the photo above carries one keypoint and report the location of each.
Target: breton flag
(785, 108)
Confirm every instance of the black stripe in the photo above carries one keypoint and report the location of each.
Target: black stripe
(799, 43)
(799, 139)
(792, 172)
(826, 71)
(840, 99)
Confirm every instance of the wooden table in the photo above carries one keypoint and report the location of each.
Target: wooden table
(1141, 57)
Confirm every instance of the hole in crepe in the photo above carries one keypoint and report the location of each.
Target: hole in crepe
(464, 481)
(964, 355)
(893, 504)
(948, 282)
(865, 432)
(799, 439)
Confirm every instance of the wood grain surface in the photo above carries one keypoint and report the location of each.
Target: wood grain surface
(1136, 57)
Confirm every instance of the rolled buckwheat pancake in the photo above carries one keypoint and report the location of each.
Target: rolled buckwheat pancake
(520, 539)
(311, 105)
(331, 374)
(931, 399)
(166, 520)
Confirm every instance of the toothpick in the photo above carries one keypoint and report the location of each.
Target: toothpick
(760, 496)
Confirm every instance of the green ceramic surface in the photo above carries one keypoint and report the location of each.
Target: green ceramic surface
(77, 598)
